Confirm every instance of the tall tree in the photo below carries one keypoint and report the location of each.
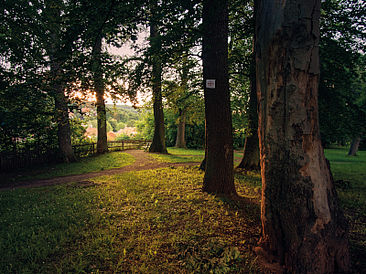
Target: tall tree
(56, 52)
(251, 159)
(102, 145)
(303, 228)
(158, 142)
(219, 143)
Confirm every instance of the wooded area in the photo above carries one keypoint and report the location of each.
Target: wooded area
(279, 80)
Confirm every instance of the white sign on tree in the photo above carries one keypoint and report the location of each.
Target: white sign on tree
(210, 83)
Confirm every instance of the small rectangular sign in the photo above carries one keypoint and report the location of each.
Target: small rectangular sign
(210, 83)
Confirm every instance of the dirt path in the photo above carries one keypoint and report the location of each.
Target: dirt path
(143, 161)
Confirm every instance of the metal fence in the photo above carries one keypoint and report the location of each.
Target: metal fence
(28, 158)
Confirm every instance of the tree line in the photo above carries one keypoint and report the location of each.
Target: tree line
(255, 59)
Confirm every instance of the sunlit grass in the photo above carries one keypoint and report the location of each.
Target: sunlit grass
(185, 151)
(182, 155)
(156, 221)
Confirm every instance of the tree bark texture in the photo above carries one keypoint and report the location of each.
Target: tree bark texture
(219, 144)
(158, 142)
(354, 146)
(180, 141)
(63, 124)
(251, 160)
(58, 84)
(102, 142)
(303, 228)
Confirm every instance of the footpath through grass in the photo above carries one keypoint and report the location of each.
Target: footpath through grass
(155, 221)
(85, 165)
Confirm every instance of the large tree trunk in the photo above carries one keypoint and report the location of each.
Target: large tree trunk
(303, 228)
(250, 160)
(354, 146)
(219, 176)
(180, 141)
(158, 142)
(63, 124)
(102, 142)
(58, 84)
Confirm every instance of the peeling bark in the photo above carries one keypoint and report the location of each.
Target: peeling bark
(303, 227)
(218, 177)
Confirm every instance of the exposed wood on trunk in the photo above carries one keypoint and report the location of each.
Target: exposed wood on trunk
(219, 144)
(102, 145)
(354, 146)
(303, 228)
(158, 142)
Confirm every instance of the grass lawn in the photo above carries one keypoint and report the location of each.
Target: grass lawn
(85, 165)
(153, 221)
(349, 172)
(181, 155)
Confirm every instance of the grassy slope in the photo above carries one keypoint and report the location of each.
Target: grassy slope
(152, 222)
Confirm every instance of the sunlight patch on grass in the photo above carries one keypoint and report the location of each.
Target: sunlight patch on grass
(170, 158)
(185, 151)
(182, 155)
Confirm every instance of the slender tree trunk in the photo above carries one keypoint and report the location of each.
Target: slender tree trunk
(303, 228)
(58, 84)
(180, 140)
(219, 176)
(354, 146)
(158, 142)
(181, 129)
(251, 160)
(102, 142)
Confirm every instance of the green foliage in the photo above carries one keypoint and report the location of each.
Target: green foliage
(342, 108)
(78, 131)
(145, 125)
(195, 132)
(122, 136)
